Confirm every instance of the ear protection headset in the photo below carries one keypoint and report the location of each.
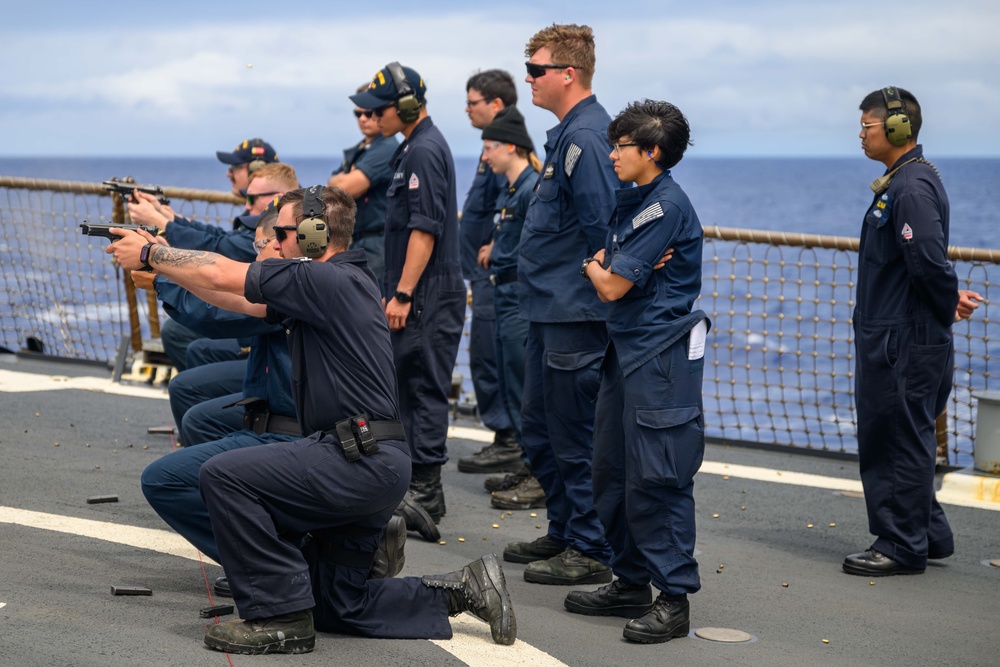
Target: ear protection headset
(407, 104)
(313, 231)
(897, 123)
(257, 163)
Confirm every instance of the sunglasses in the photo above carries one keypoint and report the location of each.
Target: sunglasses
(535, 70)
(252, 198)
(363, 113)
(381, 110)
(280, 232)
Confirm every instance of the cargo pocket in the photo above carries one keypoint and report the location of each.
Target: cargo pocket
(926, 369)
(577, 363)
(671, 445)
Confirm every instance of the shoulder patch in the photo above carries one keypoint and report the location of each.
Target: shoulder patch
(414, 182)
(649, 213)
(550, 171)
(907, 232)
(572, 155)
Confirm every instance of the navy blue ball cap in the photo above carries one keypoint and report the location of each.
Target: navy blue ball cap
(247, 151)
(383, 90)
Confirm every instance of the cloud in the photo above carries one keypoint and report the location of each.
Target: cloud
(771, 77)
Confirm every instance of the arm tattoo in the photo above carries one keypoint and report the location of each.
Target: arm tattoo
(167, 256)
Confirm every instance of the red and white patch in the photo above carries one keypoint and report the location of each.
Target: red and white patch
(907, 232)
(414, 182)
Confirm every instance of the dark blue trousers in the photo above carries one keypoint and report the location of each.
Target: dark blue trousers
(211, 351)
(211, 420)
(903, 377)
(197, 385)
(511, 334)
(424, 354)
(262, 500)
(170, 485)
(562, 365)
(649, 442)
(483, 358)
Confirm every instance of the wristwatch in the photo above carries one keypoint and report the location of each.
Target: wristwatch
(144, 257)
(403, 297)
(584, 265)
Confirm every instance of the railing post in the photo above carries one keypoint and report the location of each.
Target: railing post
(118, 217)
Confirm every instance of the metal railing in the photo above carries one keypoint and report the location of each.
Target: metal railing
(780, 356)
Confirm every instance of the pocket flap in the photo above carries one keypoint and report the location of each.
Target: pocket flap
(667, 417)
(572, 361)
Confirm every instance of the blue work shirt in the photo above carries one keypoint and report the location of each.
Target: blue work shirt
(337, 336)
(904, 275)
(476, 225)
(269, 367)
(568, 217)
(235, 243)
(657, 310)
(511, 207)
(422, 197)
(373, 160)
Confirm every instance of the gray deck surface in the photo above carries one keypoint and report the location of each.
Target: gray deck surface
(55, 586)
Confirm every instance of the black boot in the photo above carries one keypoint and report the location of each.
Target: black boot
(425, 485)
(288, 633)
(507, 482)
(222, 588)
(480, 588)
(389, 557)
(615, 599)
(417, 519)
(668, 618)
(502, 455)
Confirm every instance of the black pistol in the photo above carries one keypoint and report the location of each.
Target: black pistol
(127, 190)
(89, 229)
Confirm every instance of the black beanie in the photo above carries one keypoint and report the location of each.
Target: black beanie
(508, 128)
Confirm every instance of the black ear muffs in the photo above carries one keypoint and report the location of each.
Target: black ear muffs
(313, 231)
(407, 104)
(897, 123)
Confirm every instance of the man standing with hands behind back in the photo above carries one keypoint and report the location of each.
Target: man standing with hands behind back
(566, 221)
(907, 300)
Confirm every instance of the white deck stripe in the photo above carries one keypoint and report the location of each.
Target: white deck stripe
(14, 382)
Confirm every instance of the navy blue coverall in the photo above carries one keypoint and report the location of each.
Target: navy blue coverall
(170, 483)
(474, 230)
(906, 300)
(422, 197)
(567, 336)
(649, 438)
(372, 159)
(511, 328)
(262, 500)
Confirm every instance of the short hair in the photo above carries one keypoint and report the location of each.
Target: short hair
(570, 45)
(279, 173)
(874, 103)
(651, 123)
(268, 219)
(494, 84)
(339, 210)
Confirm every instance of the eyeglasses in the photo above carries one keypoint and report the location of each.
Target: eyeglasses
(535, 70)
(252, 198)
(279, 232)
(381, 110)
(865, 126)
(490, 146)
(260, 244)
(363, 113)
(618, 147)
(471, 103)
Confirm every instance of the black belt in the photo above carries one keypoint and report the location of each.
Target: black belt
(359, 435)
(257, 417)
(504, 277)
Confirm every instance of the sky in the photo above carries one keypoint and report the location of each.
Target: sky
(754, 78)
